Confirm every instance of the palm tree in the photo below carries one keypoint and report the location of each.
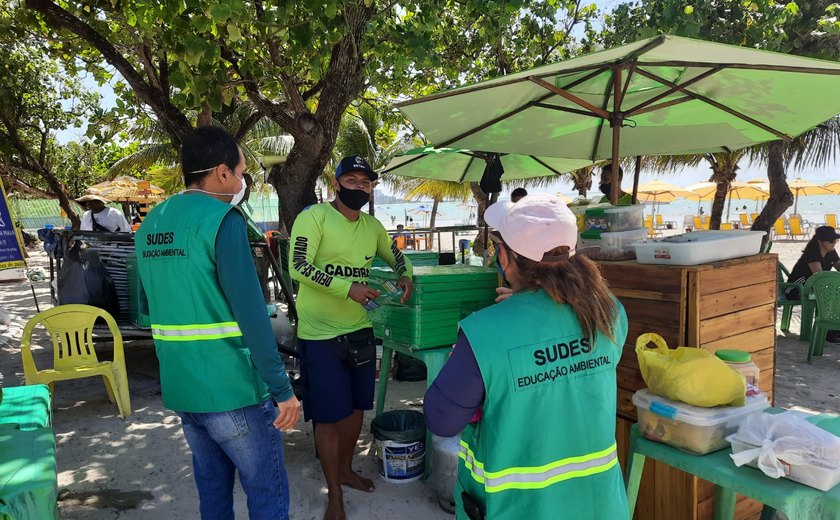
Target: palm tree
(582, 180)
(256, 135)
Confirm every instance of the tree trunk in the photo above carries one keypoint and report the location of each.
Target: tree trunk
(483, 202)
(295, 185)
(372, 203)
(719, 203)
(780, 196)
(582, 180)
(430, 244)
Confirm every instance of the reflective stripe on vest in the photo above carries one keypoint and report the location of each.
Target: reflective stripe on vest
(196, 332)
(538, 477)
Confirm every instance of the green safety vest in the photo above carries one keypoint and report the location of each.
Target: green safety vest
(204, 364)
(545, 447)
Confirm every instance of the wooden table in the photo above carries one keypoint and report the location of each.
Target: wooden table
(724, 305)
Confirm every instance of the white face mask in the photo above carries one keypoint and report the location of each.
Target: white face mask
(237, 197)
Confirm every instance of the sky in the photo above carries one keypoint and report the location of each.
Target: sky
(682, 178)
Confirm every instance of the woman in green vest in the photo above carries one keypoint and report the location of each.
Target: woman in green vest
(532, 380)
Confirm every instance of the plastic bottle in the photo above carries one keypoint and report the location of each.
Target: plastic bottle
(740, 361)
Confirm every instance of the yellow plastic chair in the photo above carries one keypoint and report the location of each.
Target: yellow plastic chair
(753, 216)
(779, 229)
(698, 223)
(831, 220)
(70, 328)
(726, 226)
(745, 220)
(795, 225)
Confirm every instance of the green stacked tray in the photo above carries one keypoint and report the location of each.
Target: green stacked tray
(417, 259)
(442, 296)
(138, 305)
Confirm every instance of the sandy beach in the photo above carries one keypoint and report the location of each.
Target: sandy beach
(140, 468)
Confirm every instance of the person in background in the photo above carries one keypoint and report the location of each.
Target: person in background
(819, 255)
(541, 368)
(605, 185)
(517, 194)
(403, 236)
(100, 217)
(333, 245)
(219, 365)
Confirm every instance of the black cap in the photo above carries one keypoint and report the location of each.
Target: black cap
(355, 163)
(826, 234)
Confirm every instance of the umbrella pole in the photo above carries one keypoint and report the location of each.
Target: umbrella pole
(636, 180)
(796, 203)
(615, 123)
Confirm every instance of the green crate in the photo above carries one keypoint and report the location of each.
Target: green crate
(138, 305)
(425, 326)
(441, 285)
(417, 259)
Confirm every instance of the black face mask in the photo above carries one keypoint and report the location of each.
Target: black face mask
(605, 188)
(353, 199)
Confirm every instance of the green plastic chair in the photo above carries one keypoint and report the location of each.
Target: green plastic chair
(783, 301)
(826, 288)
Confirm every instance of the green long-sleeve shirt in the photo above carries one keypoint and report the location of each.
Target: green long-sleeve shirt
(329, 253)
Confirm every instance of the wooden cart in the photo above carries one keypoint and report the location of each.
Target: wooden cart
(725, 305)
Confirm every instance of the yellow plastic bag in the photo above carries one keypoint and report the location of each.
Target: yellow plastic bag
(691, 375)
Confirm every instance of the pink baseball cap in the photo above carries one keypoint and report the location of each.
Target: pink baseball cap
(535, 225)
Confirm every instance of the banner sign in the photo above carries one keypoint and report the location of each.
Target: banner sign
(11, 248)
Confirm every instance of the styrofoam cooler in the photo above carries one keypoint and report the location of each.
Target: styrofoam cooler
(699, 247)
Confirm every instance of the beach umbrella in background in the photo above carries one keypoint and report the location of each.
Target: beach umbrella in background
(461, 165)
(125, 188)
(565, 198)
(737, 190)
(833, 187)
(425, 210)
(663, 95)
(802, 187)
(762, 184)
(658, 192)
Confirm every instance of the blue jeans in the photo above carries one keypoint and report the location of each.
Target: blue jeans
(243, 440)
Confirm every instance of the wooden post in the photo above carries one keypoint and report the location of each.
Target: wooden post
(615, 123)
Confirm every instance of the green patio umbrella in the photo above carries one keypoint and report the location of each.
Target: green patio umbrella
(663, 95)
(460, 165)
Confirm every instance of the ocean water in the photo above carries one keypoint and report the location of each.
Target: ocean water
(416, 214)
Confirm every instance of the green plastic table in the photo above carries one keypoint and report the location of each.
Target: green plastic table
(797, 501)
(433, 358)
(28, 477)
(29, 407)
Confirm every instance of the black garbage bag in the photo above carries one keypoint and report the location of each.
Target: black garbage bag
(84, 279)
(405, 426)
(408, 368)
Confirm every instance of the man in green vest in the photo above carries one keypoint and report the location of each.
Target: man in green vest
(605, 185)
(220, 370)
(532, 380)
(333, 245)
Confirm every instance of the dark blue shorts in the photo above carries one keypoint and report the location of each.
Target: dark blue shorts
(331, 389)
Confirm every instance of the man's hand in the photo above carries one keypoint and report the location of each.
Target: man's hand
(504, 293)
(288, 413)
(406, 285)
(361, 293)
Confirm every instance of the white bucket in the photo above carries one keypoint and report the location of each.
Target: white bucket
(401, 462)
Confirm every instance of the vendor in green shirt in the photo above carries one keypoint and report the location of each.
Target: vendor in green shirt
(624, 198)
(333, 245)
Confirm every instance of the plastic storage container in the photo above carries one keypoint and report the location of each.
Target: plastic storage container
(691, 428)
(616, 245)
(624, 218)
(595, 218)
(740, 361)
(699, 247)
